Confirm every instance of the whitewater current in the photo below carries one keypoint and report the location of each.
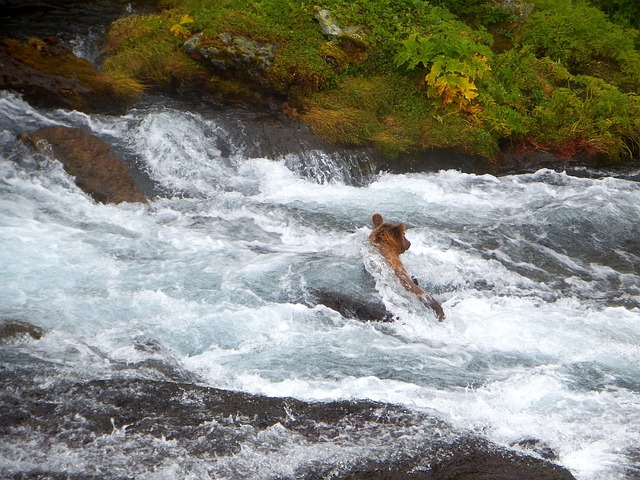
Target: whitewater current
(213, 281)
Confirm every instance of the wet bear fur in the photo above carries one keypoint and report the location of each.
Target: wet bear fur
(391, 242)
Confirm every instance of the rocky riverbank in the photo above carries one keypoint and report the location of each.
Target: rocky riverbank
(337, 74)
(217, 425)
(49, 79)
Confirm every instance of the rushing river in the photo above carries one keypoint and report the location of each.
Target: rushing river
(213, 283)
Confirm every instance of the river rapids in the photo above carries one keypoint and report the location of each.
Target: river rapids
(213, 284)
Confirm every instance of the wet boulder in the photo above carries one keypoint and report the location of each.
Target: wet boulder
(346, 45)
(343, 440)
(97, 170)
(49, 75)
(235, 55)
(327, 24)
(14, 329)
(353, 306)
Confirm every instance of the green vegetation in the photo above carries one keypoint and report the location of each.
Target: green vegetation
(582, 38)
(410, 75)
(622, 12)
(148, 50)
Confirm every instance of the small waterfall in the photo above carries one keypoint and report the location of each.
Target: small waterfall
(347, 168)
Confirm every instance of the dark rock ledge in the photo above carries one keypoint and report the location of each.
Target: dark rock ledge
(49, 75)
(215, 426)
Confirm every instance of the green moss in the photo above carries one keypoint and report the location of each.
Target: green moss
(233, 91)
(143, 47)
(50, 57)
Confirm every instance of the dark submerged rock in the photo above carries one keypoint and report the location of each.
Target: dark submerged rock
(97, 170)
(350, 306)
(13, 329)
(472, 459)
(434, 160)
(538, 447)
(467, 459)
(526, 159)
(213, 425)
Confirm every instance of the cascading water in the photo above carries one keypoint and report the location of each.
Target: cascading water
(213, 283)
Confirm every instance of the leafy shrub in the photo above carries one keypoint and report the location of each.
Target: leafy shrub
(584, 39)
(477, 12)
(180, 28)
(387, 23)
(590, 114)
(622, 12)
(455, 61)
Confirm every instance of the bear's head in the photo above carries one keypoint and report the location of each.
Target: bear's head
(389, 236)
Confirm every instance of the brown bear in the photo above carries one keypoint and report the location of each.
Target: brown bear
(390, 241)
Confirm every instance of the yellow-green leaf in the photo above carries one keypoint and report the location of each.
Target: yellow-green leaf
(186, 19)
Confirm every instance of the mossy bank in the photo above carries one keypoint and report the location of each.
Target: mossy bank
(492, 79)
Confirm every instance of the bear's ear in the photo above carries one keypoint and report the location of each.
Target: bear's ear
(377, 219)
